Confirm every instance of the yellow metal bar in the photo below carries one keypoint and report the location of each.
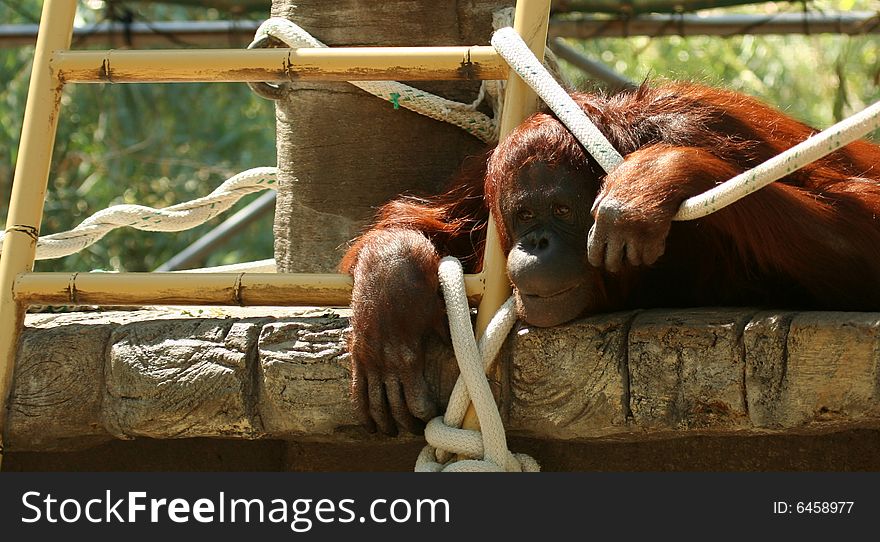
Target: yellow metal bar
(530, 21)
(29, 183)
(246, 289)
(324, 64)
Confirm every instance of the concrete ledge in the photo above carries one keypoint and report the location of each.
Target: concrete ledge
(90, 377)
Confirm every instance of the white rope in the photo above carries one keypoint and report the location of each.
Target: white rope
(784, 163)
(521, 59)
(178, 217)
(465, 116)
(487, 448)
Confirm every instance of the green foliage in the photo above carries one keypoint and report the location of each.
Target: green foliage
(162, 144)
(154, 145)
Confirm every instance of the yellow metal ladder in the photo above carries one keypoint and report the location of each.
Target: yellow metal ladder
(56, 65)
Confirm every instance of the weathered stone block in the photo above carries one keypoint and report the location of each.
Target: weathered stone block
(182, 378)
(766, 345)
(569, 381)
(686, 369)
(58, 387)
(82, 378)
(304, 376)
(831, 374)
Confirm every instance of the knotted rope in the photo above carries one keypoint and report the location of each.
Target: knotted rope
(443, 435)
(487, 448)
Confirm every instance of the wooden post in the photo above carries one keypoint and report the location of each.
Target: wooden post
(343, 152)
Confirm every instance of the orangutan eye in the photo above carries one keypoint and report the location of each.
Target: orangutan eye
(525, 215)
(561, 210)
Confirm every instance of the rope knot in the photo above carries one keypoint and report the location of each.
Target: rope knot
(487, 447)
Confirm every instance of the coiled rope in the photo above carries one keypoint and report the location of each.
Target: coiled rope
(442, 433)
(487, 448)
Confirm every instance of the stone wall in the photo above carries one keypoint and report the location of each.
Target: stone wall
(95, 378)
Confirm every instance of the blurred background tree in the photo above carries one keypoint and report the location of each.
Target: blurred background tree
(149, 144)
(818, 78)
(158, 145)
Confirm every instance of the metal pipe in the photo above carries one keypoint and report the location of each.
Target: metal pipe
(214, 33)
(245, 289)
(234, 6)
(258, 266)
(315, 64)
(219, 236)
(851, 23)
(29, 184)
(182, 288)
(630, 7)
(114, 33)
(593, 68)
(530, 21)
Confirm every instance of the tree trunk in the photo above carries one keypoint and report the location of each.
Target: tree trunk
(343, 152)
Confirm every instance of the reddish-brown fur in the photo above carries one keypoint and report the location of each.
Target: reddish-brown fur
(809, 240)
